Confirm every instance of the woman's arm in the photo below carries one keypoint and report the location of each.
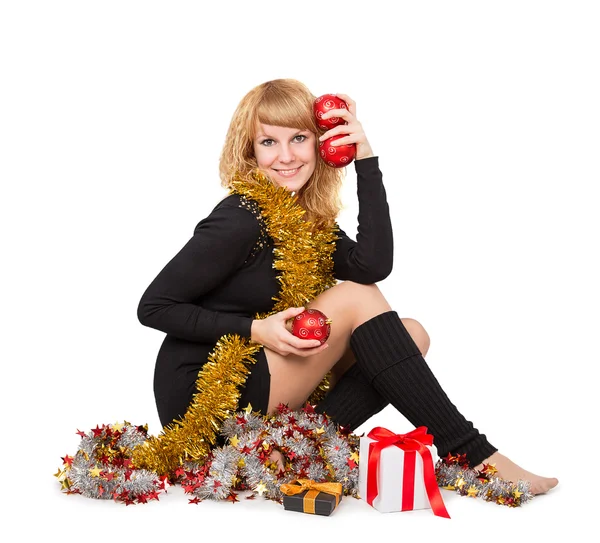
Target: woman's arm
(370, 258)
(220, 245)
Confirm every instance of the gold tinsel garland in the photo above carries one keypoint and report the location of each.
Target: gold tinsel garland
(305, 259)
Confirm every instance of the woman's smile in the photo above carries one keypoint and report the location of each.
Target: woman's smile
(288, 173)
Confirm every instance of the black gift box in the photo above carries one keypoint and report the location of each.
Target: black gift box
(324, 503)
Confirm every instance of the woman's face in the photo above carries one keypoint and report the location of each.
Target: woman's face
(289, 155)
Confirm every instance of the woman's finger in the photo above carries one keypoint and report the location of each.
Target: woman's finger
(290, 312)
(295, 345)
(339, 129)
(346, 140)
(345, 129)
(341, 113)
(351, 103)
(299, 343)
(308, 352)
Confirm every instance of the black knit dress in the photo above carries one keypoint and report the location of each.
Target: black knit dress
(224, 275)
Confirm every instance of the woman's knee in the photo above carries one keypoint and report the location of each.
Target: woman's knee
(418, 334)
(360, 289)
(367, 300)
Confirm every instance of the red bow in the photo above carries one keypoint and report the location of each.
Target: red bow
(411, 443)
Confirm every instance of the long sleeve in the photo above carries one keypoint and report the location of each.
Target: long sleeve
(370, 258)
(220, 245)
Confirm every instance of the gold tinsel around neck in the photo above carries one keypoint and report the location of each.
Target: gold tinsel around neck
(303, 256)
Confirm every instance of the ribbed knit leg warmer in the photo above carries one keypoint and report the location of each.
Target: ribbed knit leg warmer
(352, 400)
(392, 363)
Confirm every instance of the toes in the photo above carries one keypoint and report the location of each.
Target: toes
(549, 483)
(535, 488)
(541, 487)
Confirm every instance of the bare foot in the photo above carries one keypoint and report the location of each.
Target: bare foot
(509, 471)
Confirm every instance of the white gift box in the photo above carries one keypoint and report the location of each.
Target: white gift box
(390, 477)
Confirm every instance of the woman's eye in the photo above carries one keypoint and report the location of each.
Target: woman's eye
(269, 142)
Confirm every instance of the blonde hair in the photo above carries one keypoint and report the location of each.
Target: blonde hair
(287, 103)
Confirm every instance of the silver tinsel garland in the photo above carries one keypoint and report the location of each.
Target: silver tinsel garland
(311, 444)
(102, 469)
(313, 447)
(453, 473)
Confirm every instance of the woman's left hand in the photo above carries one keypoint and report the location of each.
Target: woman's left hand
(353, 130)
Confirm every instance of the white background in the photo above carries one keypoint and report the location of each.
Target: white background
(485, 117)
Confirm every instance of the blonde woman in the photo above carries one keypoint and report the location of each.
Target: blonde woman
(224, 276)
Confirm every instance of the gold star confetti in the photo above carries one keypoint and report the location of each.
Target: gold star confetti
(117, 426)
(490, 469)
(248, 409)
(234, 441)
(59, 473)
(261, 488)
(319, 431)
(354, 456)
(241, 463)
(480, 483)
(95, 472)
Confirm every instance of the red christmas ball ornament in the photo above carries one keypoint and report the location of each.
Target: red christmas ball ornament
(337, 156)
(311, 324)
(325, 103)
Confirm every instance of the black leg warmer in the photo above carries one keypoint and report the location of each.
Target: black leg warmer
(391, 361)
(352, 400)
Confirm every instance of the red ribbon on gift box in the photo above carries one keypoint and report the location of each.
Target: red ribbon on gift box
(411, 443)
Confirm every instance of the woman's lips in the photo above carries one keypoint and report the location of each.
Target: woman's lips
(288, 173)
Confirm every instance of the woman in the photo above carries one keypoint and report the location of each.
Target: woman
(225, 275)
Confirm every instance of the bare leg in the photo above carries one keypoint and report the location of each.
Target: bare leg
(294, 378)
(358, 385)
(349, 305)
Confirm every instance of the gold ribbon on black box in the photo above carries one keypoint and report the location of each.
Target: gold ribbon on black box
(308, 496)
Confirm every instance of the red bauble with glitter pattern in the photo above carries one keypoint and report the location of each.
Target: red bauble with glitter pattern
(325, 103)
(337, 156)
(311, 324)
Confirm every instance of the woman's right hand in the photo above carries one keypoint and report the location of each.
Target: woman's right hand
(273, 333)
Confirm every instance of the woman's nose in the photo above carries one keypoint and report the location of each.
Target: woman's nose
(286, 153)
